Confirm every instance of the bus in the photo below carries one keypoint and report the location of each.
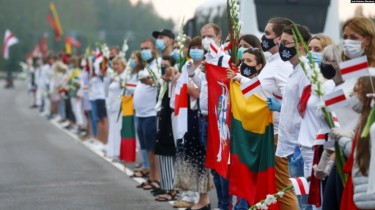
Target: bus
(320, 16)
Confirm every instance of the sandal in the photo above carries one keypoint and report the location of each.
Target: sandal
(143, 184)
(167, 197)
(152, 185)
(157, 192)
(140, 174)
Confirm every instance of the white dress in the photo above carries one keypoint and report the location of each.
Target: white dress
(113, 103)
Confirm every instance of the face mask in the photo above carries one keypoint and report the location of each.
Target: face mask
(316, 57)
(160, 44)
(267, 44)
(206, 43)
(176, 55)
(352, 48)
(196, 54)
(240, 52)
(247, 71)
(287, 53)
(132, 63)
(327, 70)
(356, 104)
(162, 69)
(146, 54)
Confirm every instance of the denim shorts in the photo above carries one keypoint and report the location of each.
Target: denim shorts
(147, 132)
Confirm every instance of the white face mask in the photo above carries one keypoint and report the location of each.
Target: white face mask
(206, 43)
(355, 104)
(352, 48)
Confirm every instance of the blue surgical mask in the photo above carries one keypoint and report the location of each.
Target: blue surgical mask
(146, 54)
(132, 63)
(196, 54)
(160, 44)
(240, 52)
(176, 55)
(317, 57)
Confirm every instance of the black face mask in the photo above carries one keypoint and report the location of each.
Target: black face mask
(327, 70)
(267, 44)
(247, 71)
(163, 68)
(287, 53)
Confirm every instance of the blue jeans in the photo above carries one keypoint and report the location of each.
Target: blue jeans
(145, 163)
(296, 170)
(203, 132)
(94, 118)
(241, 204)
(222, 190)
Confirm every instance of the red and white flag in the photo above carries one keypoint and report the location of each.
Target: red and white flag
(320, 138)
(251, 87)
(278, 95)
(9, 40)
(335, 100)
(354, 68)
(300, 185)
(335, 120)
(181, 104)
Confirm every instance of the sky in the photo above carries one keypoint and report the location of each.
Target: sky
(176, 9)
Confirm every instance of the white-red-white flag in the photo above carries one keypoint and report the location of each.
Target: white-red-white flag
(335, 120)
(181, 104)
(251, 87)
(320, 138)
(278, 95)
(335, 100)
(354, 68)
(300, 185)
(9, 40)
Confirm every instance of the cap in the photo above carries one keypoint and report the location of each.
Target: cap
(164, 32)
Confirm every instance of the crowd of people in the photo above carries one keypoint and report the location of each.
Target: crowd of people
(86, 94)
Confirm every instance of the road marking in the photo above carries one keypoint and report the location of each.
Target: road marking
(119, 166)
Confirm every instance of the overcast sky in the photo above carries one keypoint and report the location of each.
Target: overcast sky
(176, 9)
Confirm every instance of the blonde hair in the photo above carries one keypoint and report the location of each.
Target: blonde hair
(120, 59)
(332, 52)
(323, 39)
(366, 28)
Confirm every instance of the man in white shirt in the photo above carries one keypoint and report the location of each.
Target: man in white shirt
(273, 78)
(290, 120)
(144, 100)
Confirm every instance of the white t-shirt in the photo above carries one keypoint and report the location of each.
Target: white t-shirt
(97, 89)
(290, 120)
(313, 119)
(273, 78)
(145, 96)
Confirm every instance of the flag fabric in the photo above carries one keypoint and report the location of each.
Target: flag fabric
(181, 104)
(69, 42)
(354, 68)
(252, 150)
(128, 143)
(335, 120)
(43, 45)
(36, 51)
(218, 146)
(320, 138)
(9, 40)
(300, 185)
(54, 21)
(251, 87)
(335, 100)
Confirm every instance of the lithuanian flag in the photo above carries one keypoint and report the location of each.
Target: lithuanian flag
(54, 21)
(252, 166)
(127, 148)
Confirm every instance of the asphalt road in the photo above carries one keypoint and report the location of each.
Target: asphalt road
(41, 167)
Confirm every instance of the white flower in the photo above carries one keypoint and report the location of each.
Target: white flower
(286, 53)
(264, 206)
(280, 194)
(258, 205)
(270, 199)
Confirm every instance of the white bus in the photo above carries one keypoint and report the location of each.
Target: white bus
(321, 16)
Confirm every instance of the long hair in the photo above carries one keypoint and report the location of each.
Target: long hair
(363, 144)
(140, 66)
(366, 28)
